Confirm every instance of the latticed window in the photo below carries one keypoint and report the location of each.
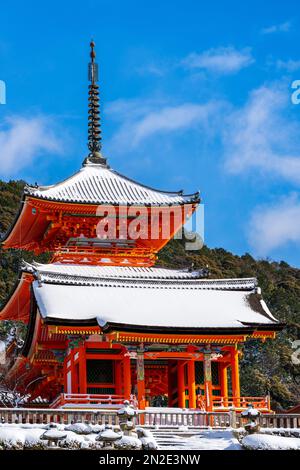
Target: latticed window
(100, 371)
(199, 372)
(215, 373)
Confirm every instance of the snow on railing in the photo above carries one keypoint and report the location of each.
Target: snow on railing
(185, 417)
(261, 403)
(58, 415)
(86, 399)
(160, 417)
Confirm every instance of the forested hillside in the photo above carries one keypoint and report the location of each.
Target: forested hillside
(265, 366)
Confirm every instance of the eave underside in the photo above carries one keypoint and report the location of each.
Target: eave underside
(43, 226)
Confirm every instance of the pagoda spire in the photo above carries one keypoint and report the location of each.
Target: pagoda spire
(94, 121)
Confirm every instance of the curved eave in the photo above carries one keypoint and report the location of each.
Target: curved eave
(33, 327)
(28, 227)
(244, 330)
(32, 191)
(247, 329)
(7, 234)
(32, 223)
(187, 199)
(17, 305)
(278, 326)
(58, 321)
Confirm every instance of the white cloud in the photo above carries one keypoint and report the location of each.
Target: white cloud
(23, 140)
(141, 120)
(275, 226)
(288, 65)
(262, 136)
(152, 68)
(277, 28)
(222, 60)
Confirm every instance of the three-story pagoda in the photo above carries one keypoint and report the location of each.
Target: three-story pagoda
(103, 323)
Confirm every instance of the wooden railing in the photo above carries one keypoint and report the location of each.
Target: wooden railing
(287, 420)
(261, 403)
(219, 403)
(58, 415)
(149, 418)
(185, 418)
(78, 399)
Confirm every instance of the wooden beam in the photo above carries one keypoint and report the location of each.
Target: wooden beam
(191, 383)
(141, 379)
(181, 383)
(235, 374)
(82, 370)
(207, 381)
(126, 377)
(224, 381)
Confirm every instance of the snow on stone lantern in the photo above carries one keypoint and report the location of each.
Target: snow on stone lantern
(252, 414)
(53, 436)
(126, 416)
(108, 437)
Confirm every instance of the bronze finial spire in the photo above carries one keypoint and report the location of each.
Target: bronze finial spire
(94, 122)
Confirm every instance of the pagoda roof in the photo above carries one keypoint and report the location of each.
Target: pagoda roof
(148, 298)
(81, 274)
(98, 184)
(93, 186)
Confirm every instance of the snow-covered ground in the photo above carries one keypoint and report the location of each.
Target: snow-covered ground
(270, 442)
(83, 436)
(18, 436)
(195, 439)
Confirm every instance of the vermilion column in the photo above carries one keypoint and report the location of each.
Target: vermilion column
(141, 379)
(75, 379)
(126, 377)
(224, 383)
(235, 376)
(192, 383)
(181, 384)
(82, 370)
(207, 380)
(117, 377)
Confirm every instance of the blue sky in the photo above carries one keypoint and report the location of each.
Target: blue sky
(195, 95)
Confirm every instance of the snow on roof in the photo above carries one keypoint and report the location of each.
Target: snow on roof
(97, 184)
(93, 275)
(152, 304)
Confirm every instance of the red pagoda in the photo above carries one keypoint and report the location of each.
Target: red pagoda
(103, 323)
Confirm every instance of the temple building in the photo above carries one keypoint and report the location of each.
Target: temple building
(103, 322)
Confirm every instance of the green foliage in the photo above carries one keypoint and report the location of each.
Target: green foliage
(265, 367)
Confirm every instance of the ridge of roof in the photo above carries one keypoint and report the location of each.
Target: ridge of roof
(153, 277)
(83, 186)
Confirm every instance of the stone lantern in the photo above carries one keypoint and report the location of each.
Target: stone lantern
(252, 414)
(53, 436)
(108, 437)
(126, 415)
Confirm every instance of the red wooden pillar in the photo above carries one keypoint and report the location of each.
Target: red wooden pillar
(65, 376)
(224, 382)
(141, 379)
(235, 376)
(126, 377)
(191, 383)
(82, 369)
(207, 381)
(73, 372)
(117, 377)
(181, 383)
